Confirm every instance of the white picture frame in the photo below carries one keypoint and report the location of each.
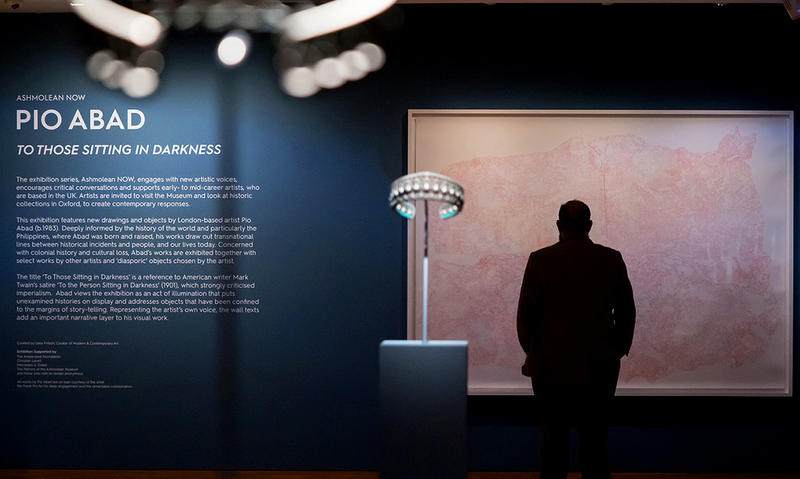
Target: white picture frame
(445, 141)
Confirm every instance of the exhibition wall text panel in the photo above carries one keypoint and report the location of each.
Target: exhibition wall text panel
(182, 272)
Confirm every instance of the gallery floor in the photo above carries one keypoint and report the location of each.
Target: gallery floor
(117, 474)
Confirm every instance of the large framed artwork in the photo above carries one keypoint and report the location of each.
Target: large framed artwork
(699, 203)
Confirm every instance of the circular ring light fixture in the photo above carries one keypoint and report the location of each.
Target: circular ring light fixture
(429, 186)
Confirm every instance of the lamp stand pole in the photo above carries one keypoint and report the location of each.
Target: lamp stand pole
(425, 281)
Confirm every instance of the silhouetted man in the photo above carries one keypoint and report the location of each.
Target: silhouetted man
(575, 321)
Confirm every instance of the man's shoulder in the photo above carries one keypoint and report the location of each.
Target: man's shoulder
(563, 248)
(547, 250)
(602, 249)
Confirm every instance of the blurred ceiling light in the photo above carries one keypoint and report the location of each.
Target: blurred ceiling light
(374, 55)
(97, 62)
(290, 55)
(330, 73)
(330, 17)
(139, 82)
(247, 17)
(151, 59)
(299, 82)
(274, 15)
(163, 17)
(356, 64)
(187, 16)
(114, 19)
(112, 73)
(232, 49)
(219, 16)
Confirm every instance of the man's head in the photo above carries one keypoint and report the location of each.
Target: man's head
(574, 218)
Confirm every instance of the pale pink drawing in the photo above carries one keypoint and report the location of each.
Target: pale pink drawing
(689, 224)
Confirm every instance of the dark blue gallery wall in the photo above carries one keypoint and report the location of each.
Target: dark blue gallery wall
(297, 388)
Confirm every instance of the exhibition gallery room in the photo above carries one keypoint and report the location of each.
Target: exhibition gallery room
(399, 239)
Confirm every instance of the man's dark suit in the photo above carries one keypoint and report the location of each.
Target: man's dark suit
(575, 321)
